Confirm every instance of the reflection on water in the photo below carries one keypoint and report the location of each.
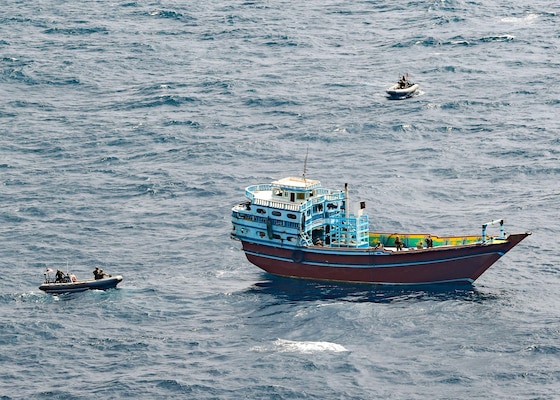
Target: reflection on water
(307, 290)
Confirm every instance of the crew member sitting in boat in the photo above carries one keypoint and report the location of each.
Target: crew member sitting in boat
(403, 83)
(98, 273)
(59, 276)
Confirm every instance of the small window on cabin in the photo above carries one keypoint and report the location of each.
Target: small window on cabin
(261, 211)
(292, 239)
(262, 234)
(276, 236)
(277, 213)
(278, 192)
(301, 196)
(292, 216)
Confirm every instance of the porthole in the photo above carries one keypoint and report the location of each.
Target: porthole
(292, 216)
(276, 213)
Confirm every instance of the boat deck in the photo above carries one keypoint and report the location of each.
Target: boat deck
(387, 240)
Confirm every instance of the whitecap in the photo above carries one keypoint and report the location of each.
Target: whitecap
(308, 347)
(515, 20)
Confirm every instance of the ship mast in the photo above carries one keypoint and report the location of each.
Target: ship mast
(346, 205)
(305, 166)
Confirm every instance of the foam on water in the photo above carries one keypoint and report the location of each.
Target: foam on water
(308, 347)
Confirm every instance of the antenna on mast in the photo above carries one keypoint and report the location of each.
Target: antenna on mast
(305, 164)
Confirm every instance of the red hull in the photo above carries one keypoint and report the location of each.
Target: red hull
(411, 267)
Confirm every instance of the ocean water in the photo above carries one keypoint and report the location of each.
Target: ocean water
(128, 130)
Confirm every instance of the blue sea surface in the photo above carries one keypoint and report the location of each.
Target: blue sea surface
(128, 130)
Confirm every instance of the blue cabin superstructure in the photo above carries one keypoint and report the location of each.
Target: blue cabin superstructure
(298, 212)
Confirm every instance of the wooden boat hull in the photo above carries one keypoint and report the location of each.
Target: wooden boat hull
(395, 93)
(449, 264)
(81, 286)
